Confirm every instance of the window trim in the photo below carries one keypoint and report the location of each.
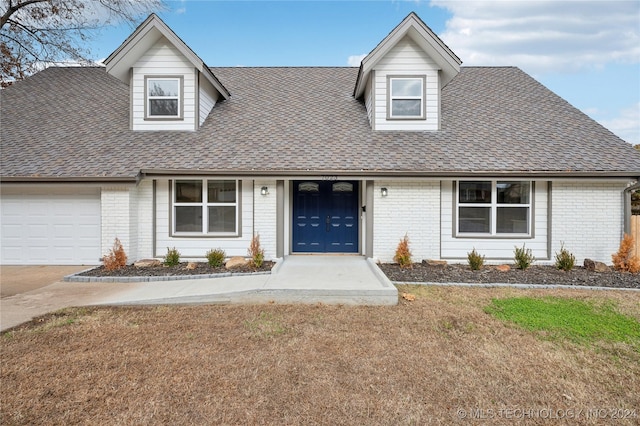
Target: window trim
(391, 98)
(147, 98)
(494, 206)
(205, 204)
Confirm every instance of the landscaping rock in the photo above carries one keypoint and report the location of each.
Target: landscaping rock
(435, 262)
(592, 265)
(147, 263)
(236, 262)
(192, 265)
(503, 268)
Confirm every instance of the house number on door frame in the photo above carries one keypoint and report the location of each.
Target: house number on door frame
(330, 178)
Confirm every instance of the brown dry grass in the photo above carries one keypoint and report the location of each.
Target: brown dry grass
(416, 363)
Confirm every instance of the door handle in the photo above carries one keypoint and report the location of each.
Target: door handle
(328, 222)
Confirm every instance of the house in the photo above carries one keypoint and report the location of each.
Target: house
(160, 150)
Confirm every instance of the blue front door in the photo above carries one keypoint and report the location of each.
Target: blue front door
(325, 217)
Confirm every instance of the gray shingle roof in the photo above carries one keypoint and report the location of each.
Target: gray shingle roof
(73, 123)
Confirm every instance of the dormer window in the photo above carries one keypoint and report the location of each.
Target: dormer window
(406, 97)
(164, 98)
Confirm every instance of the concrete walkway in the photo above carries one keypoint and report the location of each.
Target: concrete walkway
(350, 280)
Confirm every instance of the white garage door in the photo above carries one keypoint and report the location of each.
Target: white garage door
(56, 227)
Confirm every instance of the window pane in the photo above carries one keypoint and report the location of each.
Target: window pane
(474, 192)
(474, 219)
(163, 107)
(222, 219)
(309, 187)
(163, 87)
(513, 192)
(406, 87)
(406, 107)
(513, 220)
(188, 219)
(342, 187)
(188, 191)
(221, 191)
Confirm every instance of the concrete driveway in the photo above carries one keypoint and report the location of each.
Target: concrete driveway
(30, 291)
(21, 279)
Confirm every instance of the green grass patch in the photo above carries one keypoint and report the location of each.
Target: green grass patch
(568, 319)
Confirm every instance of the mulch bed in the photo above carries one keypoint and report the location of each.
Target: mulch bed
(536, 274)
(199, 268)
(419, 272)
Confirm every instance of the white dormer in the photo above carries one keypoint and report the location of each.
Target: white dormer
(401, 79)
(171, 87)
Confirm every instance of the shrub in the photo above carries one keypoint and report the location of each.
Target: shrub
(624, 260)
(172, 258)
(565, 260)
(116, 258)
(523, 257)
(403, 253)
(216, 257)
(256, 253)
(476, 262)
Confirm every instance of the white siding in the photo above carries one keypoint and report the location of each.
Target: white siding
(588, 217)
(163, 60)
(197, 247)
(406, 58)
(368, 102)
(495, 249)
(411, 208)
(208, 97)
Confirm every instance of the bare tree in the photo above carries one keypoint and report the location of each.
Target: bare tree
(37, 33)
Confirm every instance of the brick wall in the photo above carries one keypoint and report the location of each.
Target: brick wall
(411, 208)
(588, 217)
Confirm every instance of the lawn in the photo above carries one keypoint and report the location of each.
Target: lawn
(444, 358)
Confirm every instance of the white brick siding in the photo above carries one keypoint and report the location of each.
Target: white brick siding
(411, 208)
(265, 216)
(588, 217)
(116, 219)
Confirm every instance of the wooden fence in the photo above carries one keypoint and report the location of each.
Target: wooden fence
(635, 232)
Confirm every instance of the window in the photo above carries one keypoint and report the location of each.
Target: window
(406, 97)
(205, 207)
(494, 207)
(163, 97)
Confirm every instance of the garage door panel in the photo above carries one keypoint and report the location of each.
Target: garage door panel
(52, 228)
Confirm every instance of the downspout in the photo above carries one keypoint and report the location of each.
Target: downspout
(627, 205)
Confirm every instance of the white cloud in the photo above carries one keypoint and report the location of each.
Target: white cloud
(626, 125)
(354, 60)
(543, 36)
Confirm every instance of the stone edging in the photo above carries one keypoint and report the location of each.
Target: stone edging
(86, 279)
(521, 286)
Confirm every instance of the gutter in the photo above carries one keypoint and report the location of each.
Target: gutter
(627, 205)
(390, 174)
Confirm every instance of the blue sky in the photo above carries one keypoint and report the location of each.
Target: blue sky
(588, 52)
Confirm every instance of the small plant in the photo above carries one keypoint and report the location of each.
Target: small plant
(172, 258)
(624, 260)
(565, 260)
(523, 257)
(403, 253)
(476, 262)
(215, 257)
(116, 258)
(255, 252)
